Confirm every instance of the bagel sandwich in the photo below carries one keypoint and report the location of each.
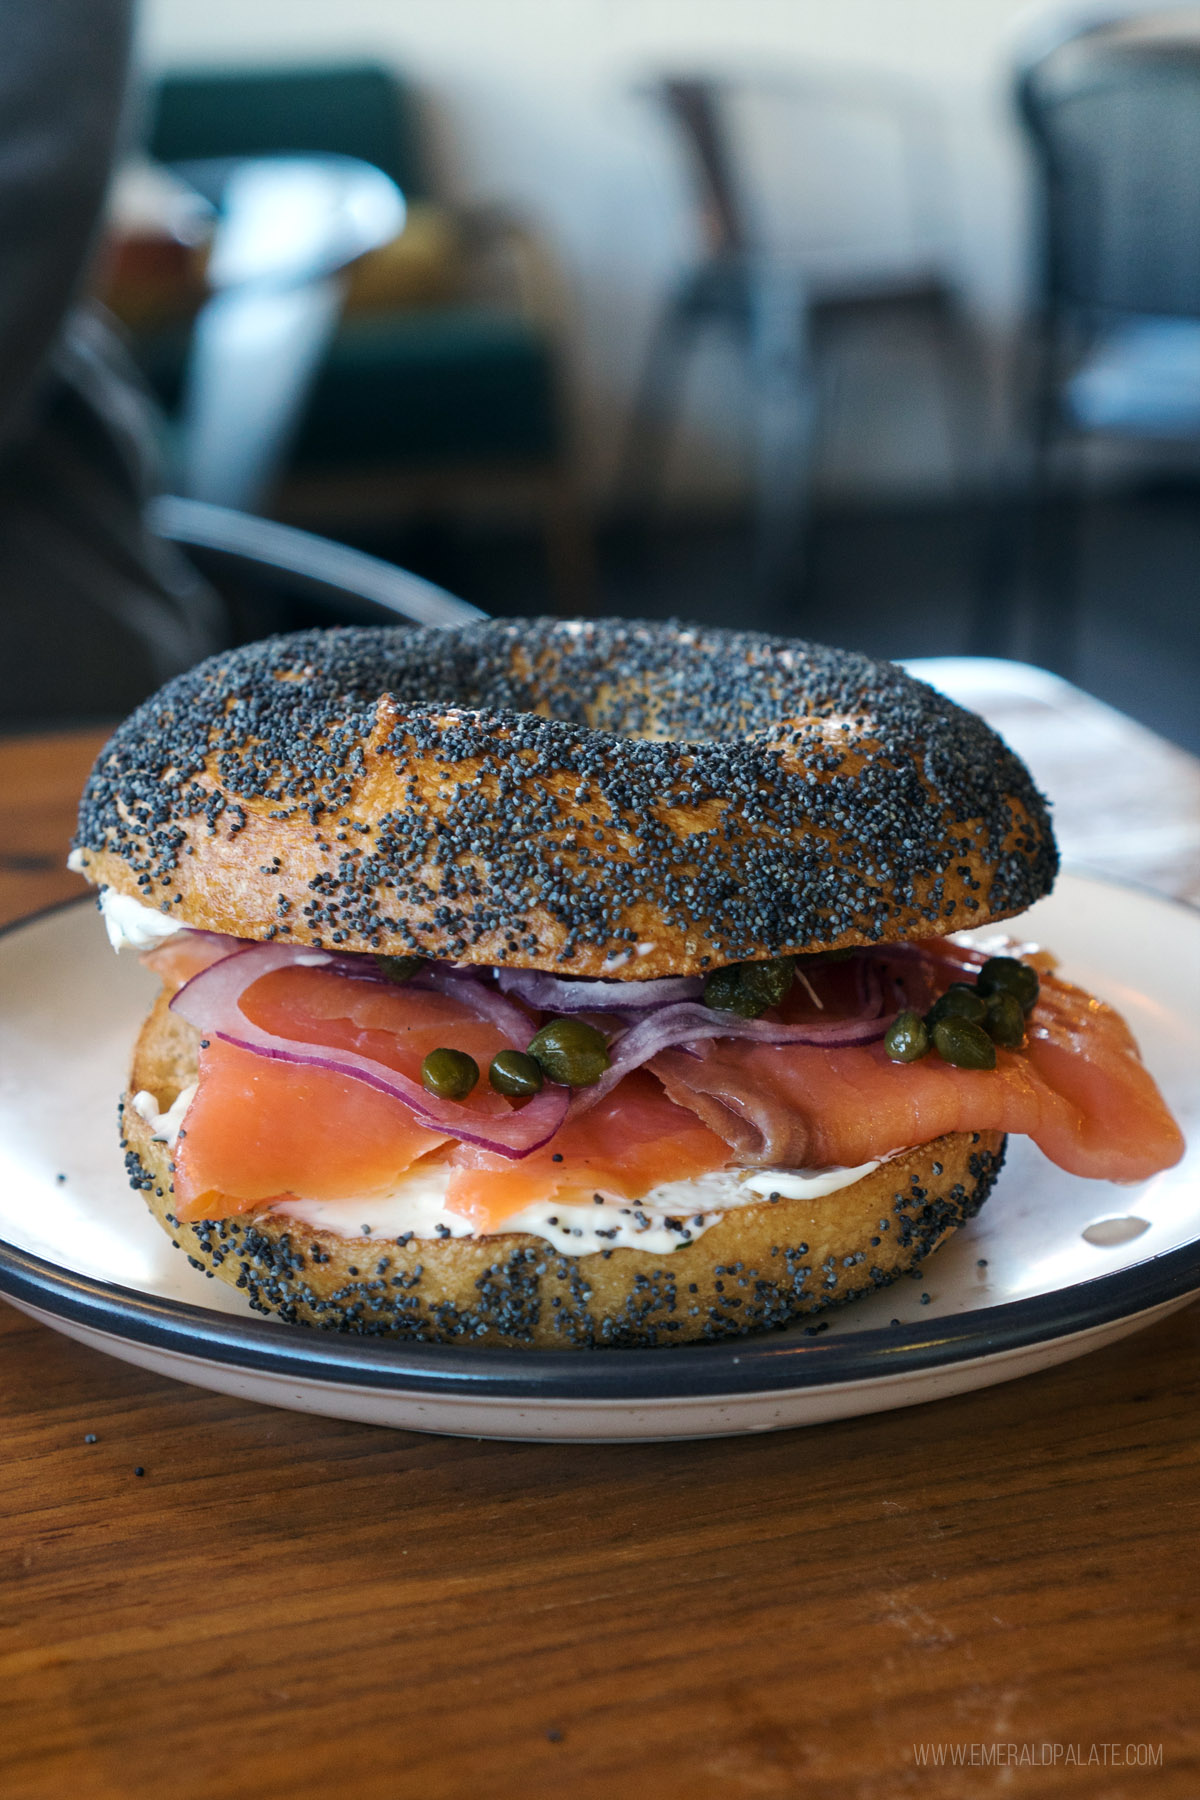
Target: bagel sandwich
(583, 983)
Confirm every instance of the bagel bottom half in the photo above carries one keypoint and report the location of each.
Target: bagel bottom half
(761, 1266)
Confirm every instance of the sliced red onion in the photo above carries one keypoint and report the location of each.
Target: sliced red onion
(551, 993)
(210, 1002)
(685, 1024)
(673, 1018)
(689, 1021)
(482, 999)
(207, 997)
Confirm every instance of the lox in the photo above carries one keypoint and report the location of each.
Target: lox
(262, 1127)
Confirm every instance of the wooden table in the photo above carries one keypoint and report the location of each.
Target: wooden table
(285, 1606)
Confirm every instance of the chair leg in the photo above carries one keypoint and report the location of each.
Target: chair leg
(1056, 512)
(642, 465)
(1001, 535)
(784, 425)
(1058, 535)
(1030, 535)
(996, 560)
(978, 478)
(964, 393)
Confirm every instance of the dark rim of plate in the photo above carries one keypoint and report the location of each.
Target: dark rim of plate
(775, 1362)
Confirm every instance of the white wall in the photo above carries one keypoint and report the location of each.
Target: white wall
(538, 107)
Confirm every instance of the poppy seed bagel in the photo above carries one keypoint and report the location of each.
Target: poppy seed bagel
(760, 1266)
(595, 798)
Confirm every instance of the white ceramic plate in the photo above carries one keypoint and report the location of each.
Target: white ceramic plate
(1052, 1267)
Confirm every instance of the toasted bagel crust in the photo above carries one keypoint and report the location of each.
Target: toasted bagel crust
(592, 798)
(761, 1266)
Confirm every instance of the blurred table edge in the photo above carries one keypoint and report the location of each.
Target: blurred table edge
(41, 777)
(1126, 802)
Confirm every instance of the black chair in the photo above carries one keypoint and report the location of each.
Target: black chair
(779, 305)
(1111, 106)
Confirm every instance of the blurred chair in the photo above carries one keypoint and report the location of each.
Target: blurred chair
(442, 384)
(257, 577)
(781, 299)
(1110, 99)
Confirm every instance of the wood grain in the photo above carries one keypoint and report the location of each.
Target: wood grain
(287, 1606)
(40, 781)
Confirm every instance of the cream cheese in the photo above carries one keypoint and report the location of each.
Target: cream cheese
(804, 1184)
(676, 1213)
(164, 1126)
(132, 926)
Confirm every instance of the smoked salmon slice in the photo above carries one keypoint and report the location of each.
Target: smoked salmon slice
(258, 1130)
(397, 1026)
(189, 953)
(1079, 1089)
(633, 1140)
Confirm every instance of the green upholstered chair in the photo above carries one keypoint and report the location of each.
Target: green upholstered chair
(357, 110)
(417, 409)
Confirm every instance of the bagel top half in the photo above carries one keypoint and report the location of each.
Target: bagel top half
(595, 798)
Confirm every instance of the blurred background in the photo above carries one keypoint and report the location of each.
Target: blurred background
(876, 323)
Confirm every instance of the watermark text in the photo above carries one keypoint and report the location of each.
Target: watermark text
(1001, 1754)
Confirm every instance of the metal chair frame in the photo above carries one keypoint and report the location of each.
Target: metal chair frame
(774, 304)
(282, 554)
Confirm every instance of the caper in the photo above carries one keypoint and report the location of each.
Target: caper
(747, 989)
(1005, 975)
(725, 992)
(958, 1002)
(1004, 1021)
(963, 1043)
(772, 978)
(906, 1038)
(399, 968)
(450, 1074)
(570, 1052)
(514, 1073)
